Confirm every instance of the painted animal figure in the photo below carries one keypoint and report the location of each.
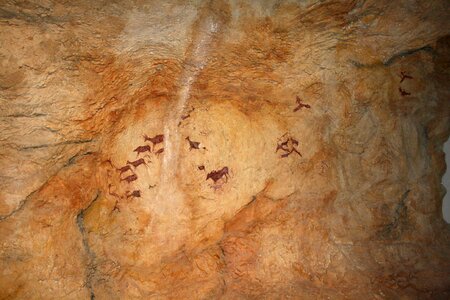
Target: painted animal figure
(193, 145)
(130, 178)
(137, 163)
(187, 115)
(282, 146)
(124, 169)
(184, 117)
(157, 139)
(134, 194)
(112, 193)
(142, 149)
(217, 175)
(301, 104)
(290, 152)
(110, 163)
(403, 92)
(116, 207)
(159, 151)
(405, 76)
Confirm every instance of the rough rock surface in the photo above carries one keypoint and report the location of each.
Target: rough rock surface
(301, 154)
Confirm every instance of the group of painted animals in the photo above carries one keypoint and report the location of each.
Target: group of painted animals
(287, 145)
(157, 139)
(127, 172)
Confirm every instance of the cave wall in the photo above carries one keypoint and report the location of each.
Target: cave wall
(289, 149)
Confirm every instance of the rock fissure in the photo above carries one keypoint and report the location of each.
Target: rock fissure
(20, 206)
(73, 142)
(394, 58)
(91, 264)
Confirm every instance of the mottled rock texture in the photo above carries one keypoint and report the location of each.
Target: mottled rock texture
(289, 149)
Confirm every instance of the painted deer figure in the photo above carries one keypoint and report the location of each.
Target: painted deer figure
(217, 175)
(142, 149)
(157, 139)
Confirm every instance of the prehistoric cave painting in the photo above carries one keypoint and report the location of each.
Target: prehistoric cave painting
(300, 104)
(404, 76)
(115, 195)
(287, 145)
(129, 178)
(201, 168)
(116, 207)
(290, 152)
(193, 145)
(130, 167)
(124, 169)
(142, 149)
(112, 193)
(218, 177)
(187, 115)
(134, 194)
(110, 163)
(157, 153)
(121, 170)
(157, 139)
(137, 163)
(127, 172)
(403, 92)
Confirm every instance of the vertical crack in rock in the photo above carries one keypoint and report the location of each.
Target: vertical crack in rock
(224, 260)
(394, 229)
(90, 268)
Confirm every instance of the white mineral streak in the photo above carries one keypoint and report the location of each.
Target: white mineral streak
(169, 194)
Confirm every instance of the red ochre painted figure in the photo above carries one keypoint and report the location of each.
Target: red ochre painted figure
(142, 149)
(300, 104)
(137, 163)
(157, 139)
(217, 175)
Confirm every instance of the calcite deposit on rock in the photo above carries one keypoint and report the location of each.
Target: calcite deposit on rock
(223, 149)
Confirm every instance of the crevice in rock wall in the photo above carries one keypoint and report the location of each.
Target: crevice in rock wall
(394, 58)
(405, 53)
(91, 264)
(446, 183)
(23, 203)
(76, 142)
(20, 206)
(394, 229)
(76, 157)
(22, 115)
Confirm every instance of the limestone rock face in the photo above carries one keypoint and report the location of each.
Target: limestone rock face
(223, 149)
